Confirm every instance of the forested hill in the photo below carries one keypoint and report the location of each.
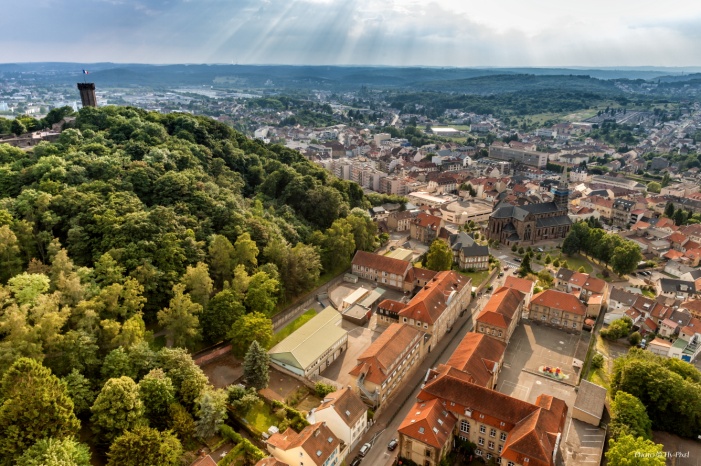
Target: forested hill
(128, 204)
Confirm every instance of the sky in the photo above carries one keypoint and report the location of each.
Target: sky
(461, 33)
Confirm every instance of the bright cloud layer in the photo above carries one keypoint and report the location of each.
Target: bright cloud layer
(339, 32)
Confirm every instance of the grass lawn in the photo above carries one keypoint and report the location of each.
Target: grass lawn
(287, 330)
(477, 277)
(577, 261)
(649, 294)
(260, 417)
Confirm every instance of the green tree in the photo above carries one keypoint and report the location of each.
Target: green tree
(221, 259)
(187, 377)
(626, 258)
(249, 328)
(525, 267)
(117, 408)
(629, 417)
(521, 250)
(17, 127)
(108, 270)
(679, 217)
(220, 314)
(669, 210)
(261, 295)
(56, 452)
(157, 394)
(654, 187)
(180, 318)
(245, 252)
(635, 338)
(619, 328)
(181, 422)
(211, 412)
(626, 450)
(35, 405)
(299, 266)
(198, 284)
(581, 269)
(80, 391)
(548, 259)
(665, 180)
(10, 258)
(255, 366)
(143, 445)
(439, 256)
(28, 286)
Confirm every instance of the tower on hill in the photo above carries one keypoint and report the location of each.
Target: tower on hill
(87, 94)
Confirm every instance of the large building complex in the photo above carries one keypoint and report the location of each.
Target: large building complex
(525, 157)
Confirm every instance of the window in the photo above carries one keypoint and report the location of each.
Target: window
(489, 456)
(493, 433)
(478, 452)
(480, 441)
(541, 318)
(502, 437)
(500, 447)
(574, 325)
(510, 463)
(464, 426)
(483, 429)
(491, 445)
(428, 452)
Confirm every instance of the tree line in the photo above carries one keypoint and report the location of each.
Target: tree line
(134, 219)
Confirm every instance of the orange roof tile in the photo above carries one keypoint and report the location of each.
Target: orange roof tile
(501, 307)
(383, 263)
(429, 423)
(520, 284)
(559, 300)
(431, 301)
(477, 355)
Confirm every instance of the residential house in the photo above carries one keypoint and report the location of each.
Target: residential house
(501, 314)
(386, 362)
(344, 413)
(558, 309)
(480, 356)
(400, 221)
(425, 227)
(467, 253)
(680, 289)
(392, 273)
(316, 445)
(522, 285)
(620, 299)
(435, 308)
(426, 433)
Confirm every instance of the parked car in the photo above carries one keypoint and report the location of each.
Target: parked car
(356, 461)
(365, 449)
(517, 259)
(539, 249)
(392, 444)
(506, 267)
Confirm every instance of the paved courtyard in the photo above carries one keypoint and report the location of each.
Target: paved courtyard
(532, 347)
(338, 293)
(359, 338)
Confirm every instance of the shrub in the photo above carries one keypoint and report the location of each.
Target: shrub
(597, 361)
(635, 338)
(323, 389)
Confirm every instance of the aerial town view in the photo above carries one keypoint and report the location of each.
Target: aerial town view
(326, 233)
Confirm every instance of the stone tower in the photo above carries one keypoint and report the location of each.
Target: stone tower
(87, 94)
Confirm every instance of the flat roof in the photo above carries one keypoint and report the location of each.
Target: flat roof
(401, 254)
(590, 399)
(304, 346)
(355, 295)
(427, 197)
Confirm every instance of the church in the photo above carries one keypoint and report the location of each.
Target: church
(531, 223)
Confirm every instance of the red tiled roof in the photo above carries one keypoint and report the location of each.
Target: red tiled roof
(595, 285)
(270, 461)
(559, 300)
(391, 305)
(677, 237)
(673, 254)
(347, 405)
(378, 360)
(431, 301)
(204, 461)
(317, 440)
(382, 263)
(477, 355)
(501, 307)
(520, 284)
(425, 220)
(429, 423)
(424, 274)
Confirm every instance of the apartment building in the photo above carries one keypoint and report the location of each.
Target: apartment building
(501, 314)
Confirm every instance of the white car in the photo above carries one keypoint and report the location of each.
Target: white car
(364, 449)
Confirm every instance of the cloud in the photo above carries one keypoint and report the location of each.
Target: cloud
(392, 32)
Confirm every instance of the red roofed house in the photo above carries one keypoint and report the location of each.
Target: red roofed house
(558, 309)
(392, 273)
(314, 445)
(504, 428)
(344, 413)
(435, 308)
(480, 356)
(425, 227)
(426, 433)
(501, 314)
(384, 364)
(522, 285)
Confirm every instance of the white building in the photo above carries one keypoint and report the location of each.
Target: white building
(344, 413)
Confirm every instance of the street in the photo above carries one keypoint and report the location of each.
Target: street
(389, 420)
